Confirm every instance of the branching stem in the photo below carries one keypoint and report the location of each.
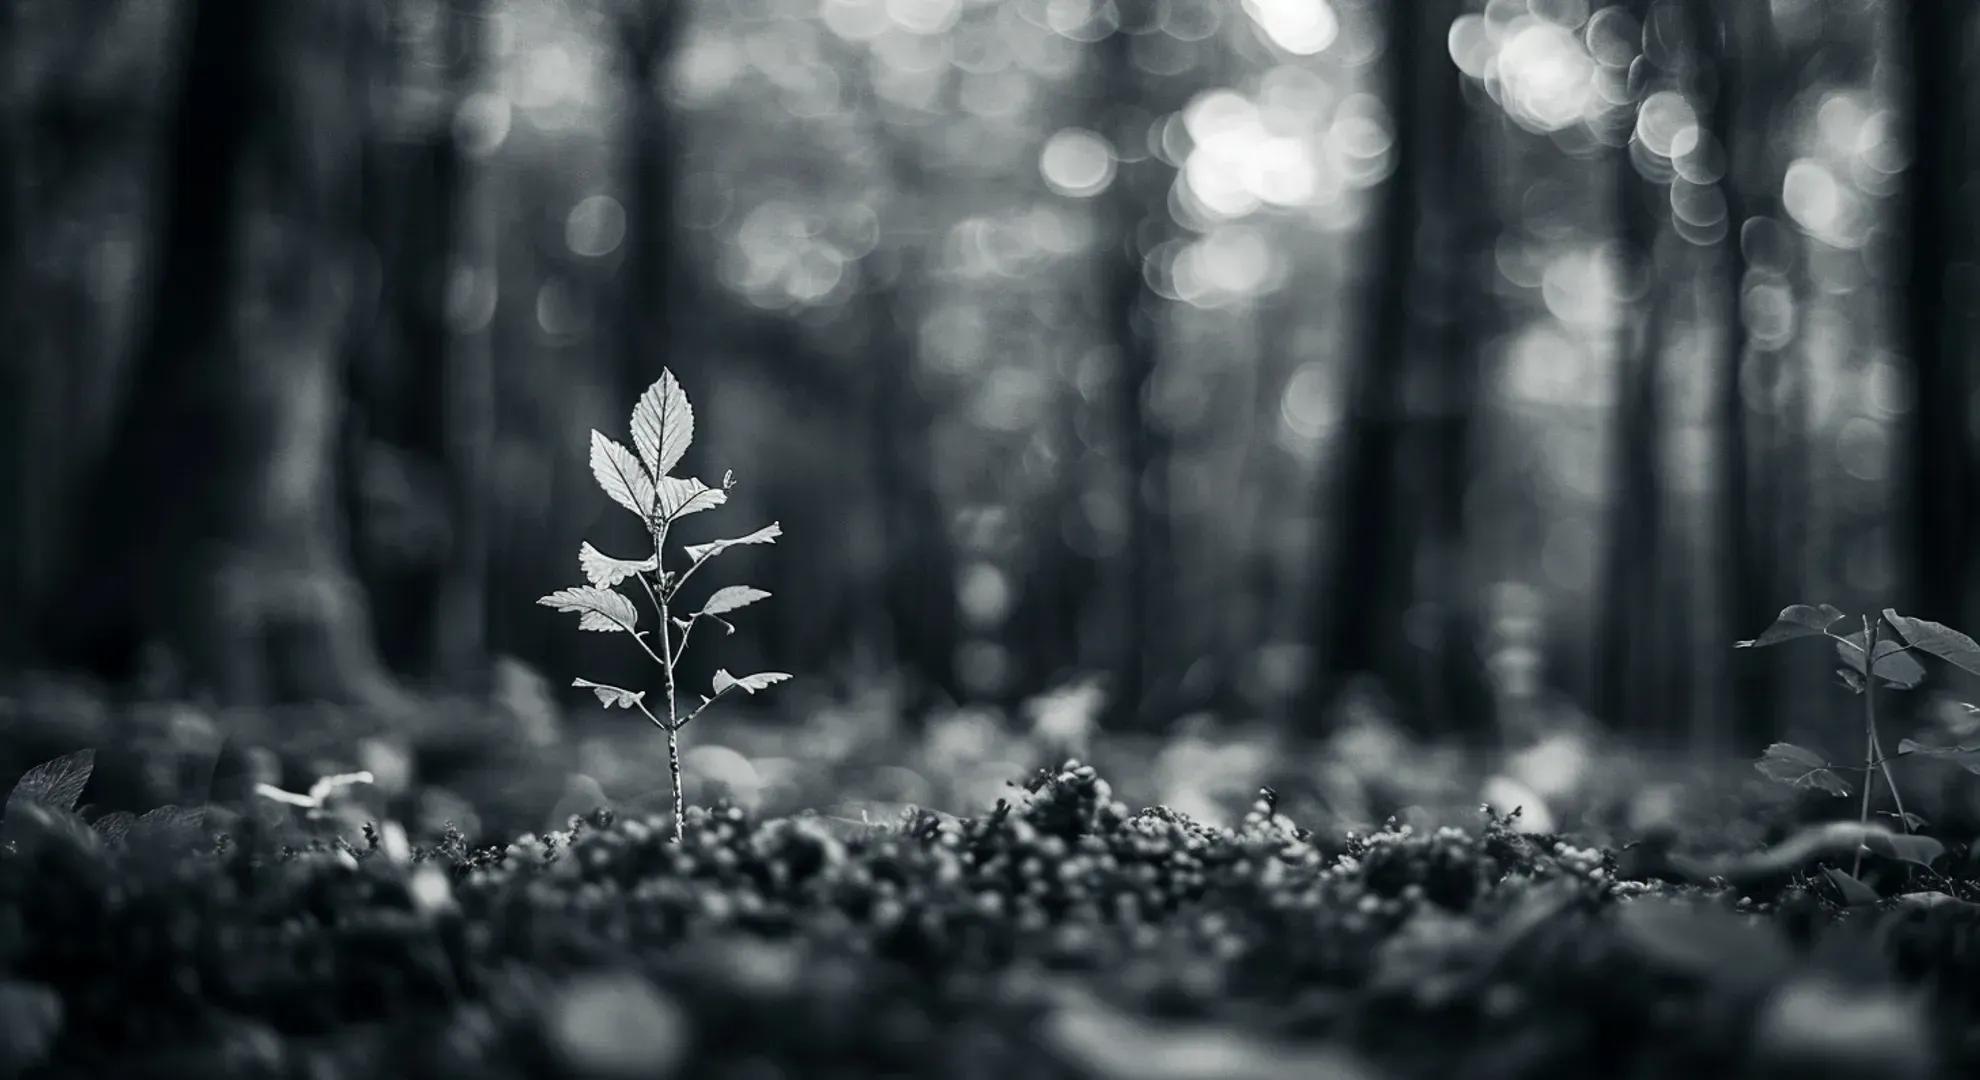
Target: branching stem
(1873, 750)
(689, 572)
(701, 708)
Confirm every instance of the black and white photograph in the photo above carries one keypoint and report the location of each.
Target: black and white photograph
(975, 539)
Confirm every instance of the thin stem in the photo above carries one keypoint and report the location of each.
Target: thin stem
(659, 609)
(667, 668)
(691, 621)
(639, 639)
(689, 572)
(702, 708)
(649, 714)
(1854, 647)
(1870, 631)
(674, 766)
(685, 631)
(1884, 763)
(1870, 751)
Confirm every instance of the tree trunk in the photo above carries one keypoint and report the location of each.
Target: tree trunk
(1630, 655)
(460, 643)
(213, 528)
(918, 588)
(1368, 551)
(650, 31)
(15, 381)
(1129, 310)
(1942, 482)
(1742, 587)
(395, 345)
(1458, 689)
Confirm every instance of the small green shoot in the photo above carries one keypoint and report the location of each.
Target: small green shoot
(641, 480)
(1871, 659)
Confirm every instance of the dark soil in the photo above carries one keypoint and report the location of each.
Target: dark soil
(1058, 934)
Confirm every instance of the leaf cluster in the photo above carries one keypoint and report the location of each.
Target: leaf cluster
(641, 479)
(1870, 660)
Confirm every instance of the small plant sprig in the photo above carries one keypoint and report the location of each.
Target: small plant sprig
(1872, 659)
(662, 428)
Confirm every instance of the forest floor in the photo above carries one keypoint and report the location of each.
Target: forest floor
(1361, 916)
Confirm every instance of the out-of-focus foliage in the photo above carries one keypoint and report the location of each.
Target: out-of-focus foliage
(888, 237)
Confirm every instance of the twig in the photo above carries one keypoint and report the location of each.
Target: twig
(703, 707)
(689, 572)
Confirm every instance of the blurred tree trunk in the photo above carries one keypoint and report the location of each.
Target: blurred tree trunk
(15, 381)
(1269, 618)
(1393, 600)
(1367, 552)
(1051, 625)
(1743, 586)
(649, 34)
(469, 285)
(1630, 653)
(918, 589)
(397, 339)
(1463, 228)
(213, 527)
(1138, 196)
(922, 621)
(1790, 681)
(1944, 481)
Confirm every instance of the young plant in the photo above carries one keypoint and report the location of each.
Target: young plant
(1871, 659)
(642, 482)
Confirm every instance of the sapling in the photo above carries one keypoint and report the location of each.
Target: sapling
(642, 482)
(1872, 659)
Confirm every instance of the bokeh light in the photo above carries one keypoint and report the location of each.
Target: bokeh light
(1077, 163)
(1300, 27)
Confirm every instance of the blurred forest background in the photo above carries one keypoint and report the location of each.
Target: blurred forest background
(1490, 365)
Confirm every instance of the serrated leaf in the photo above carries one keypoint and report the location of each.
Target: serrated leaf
(611, 696)
(604, 571)
(765, 535)
(598, 609)
(1795, 621)
(116, 825)
(678, 496)
(1905, 847)
(1938, 639)
(1894, 665)
(748, 683)
(161, 829)
(1966, 757)
(730, 597)
(1798, 766)
(663, 424)
(56, 784)
(621, 476)
(1854, 892)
